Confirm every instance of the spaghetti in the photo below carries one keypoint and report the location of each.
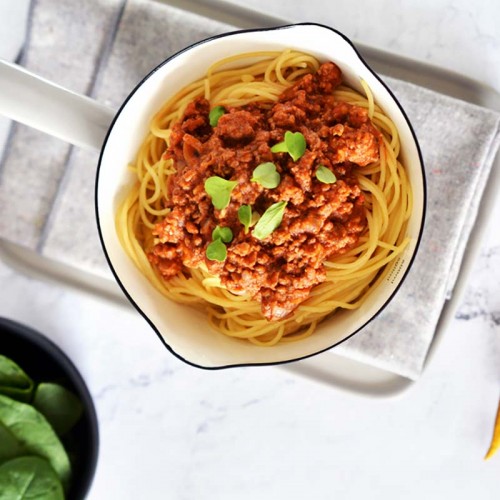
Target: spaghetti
(259, 79)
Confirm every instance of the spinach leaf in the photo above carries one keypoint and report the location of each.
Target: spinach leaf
(58, 405)
(31, 478)
(10, 447)
(33, 431)
(13, 380)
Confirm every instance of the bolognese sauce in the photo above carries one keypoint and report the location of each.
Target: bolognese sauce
(321, 219)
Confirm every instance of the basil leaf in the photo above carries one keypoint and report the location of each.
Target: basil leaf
(216, 251)
(32, 430)
(13, 381)
(270, 220)
(294, 144)
(29, 477)
(266, 175)
(223, 233)
(219, 190)
(215, 114)
(245, 216)
(59, 406)
(325, 175)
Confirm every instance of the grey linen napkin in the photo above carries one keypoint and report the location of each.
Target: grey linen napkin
(47, 187)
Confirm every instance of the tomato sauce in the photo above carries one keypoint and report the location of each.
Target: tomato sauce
(320, 219)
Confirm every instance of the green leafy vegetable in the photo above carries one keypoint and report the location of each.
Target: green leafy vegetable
(216, 251)
(245, 216)
(294, 144)
(266, 175)
(34, 463)
(219, 190)
(223, 233)
(325, 175)
(32, 430)
(10, 447)
(215, 114)
(270, 220)
(31, 478)
(13, 381)
(58, 405)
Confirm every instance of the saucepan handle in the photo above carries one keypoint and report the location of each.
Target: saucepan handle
(46, 106)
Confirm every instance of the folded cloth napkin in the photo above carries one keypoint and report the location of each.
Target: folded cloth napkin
(47, 187)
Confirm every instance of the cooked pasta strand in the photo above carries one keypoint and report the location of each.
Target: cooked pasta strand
(351, 277)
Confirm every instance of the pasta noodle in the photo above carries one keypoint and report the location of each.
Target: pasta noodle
(351, 276)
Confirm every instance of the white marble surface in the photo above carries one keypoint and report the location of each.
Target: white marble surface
(172, 431)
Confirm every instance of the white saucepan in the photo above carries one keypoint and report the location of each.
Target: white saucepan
(83, 122)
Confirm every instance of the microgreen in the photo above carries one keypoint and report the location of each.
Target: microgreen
(219, 190)
(270, 220)
(245, 216)
(223, 233)
(325, 175)
(215, 114)
(216, 251)
(294, 144)
(266, 175)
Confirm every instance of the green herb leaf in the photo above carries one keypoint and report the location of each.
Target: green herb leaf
(216, 251)
(266, 175)
(32, 430)
(255, 218)
(29, 477)
(270, 220)
(13, 381)
(215, 114)
(219, 190)
(325, 175)
(280, 147)
(294, 144)
(223, 233)
(59, 406)
(245, 216)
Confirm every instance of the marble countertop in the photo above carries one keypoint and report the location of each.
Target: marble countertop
(168, 430)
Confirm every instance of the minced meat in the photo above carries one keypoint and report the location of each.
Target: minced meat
(320, 220)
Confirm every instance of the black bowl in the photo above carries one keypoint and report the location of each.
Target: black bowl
(43, 361)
